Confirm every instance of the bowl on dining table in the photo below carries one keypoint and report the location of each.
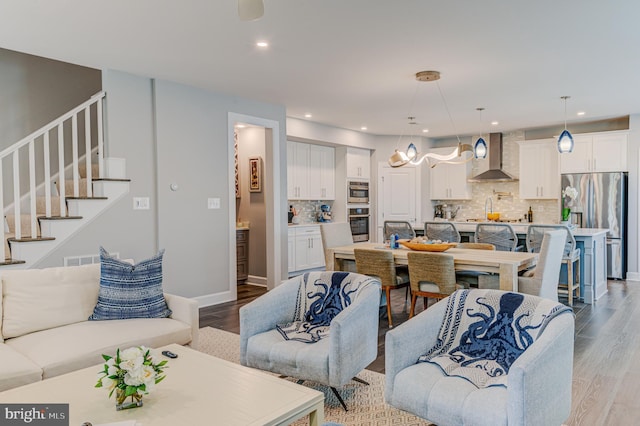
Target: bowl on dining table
(493, 216)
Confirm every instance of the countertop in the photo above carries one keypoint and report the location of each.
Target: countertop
(521, 228)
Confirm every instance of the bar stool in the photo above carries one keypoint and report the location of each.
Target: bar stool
(570, 257)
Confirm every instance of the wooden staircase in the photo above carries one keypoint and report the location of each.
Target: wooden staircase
(41, 219)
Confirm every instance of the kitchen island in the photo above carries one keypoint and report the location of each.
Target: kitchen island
(593, 256)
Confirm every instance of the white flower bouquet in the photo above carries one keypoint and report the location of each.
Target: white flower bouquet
(571, 193)
(131, 373)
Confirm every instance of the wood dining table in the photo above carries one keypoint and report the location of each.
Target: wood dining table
(505, 263)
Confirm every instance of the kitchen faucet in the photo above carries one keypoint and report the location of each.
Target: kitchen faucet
(489, 199)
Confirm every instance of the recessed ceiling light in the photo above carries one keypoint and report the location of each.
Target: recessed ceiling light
(240, 126)
(307, 115)
(580, 112)
(494, 123)
(262, 44)
(425, 130)
(363, 128)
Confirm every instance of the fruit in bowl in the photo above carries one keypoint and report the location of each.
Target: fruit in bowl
(424, 240)
(493, 216)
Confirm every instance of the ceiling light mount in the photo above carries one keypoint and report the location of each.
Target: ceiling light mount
(428, 75)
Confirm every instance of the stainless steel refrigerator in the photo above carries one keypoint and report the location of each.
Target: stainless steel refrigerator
(602, 203)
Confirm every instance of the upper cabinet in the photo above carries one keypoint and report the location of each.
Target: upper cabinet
(358, 163)
(596, 152)
(310, 172)
(539, 176)
(449, 181)
(322, 182)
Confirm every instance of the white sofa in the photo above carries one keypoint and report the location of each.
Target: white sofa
(44, 331)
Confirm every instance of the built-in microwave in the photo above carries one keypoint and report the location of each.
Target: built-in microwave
(358, 192)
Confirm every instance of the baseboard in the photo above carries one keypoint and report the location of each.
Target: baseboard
(214, 299)
(633, 276)
(256, 280)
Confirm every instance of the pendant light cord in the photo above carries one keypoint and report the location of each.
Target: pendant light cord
(444, 101)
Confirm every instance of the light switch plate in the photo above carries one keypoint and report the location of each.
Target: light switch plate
(141, 203)
(213, 203)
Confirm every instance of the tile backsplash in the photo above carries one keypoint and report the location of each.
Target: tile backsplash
(509, 207)
(308, 210)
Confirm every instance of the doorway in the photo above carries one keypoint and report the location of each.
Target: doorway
(270, 186)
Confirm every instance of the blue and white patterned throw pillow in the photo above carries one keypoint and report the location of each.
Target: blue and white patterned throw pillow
(130, 291)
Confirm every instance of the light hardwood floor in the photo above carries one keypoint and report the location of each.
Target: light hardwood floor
(606, 368)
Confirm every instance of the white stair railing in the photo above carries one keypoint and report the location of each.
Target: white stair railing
(38, 142)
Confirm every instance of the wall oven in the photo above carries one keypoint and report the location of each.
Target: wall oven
(358, 192)
(359, 221)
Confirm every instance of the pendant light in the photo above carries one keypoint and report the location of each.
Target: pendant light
(480, 147)
(413, 157)
(565, 141)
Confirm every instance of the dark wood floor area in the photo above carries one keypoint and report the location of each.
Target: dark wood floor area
(606, 367)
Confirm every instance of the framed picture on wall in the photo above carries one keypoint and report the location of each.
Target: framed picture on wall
(255, 174)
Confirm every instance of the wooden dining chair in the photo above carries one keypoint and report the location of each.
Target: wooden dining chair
(432, 275)
(472, 278)
(445, 231)
(380, 264)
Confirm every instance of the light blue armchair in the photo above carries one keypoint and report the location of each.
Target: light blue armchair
(334, 360)
(538, 388)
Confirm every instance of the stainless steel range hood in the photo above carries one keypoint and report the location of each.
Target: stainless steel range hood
(495, 172)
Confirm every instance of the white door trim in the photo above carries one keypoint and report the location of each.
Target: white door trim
(271, 174)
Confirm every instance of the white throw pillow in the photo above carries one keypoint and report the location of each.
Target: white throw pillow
(39, 299)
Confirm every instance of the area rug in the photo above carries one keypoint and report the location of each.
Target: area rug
(366, 403)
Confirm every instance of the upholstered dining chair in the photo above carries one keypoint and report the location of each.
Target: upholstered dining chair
(319, 326)
(432, 275)
(403, 229)
(471, 278)
(445, 231)
(501, 235)
(380, 264)
(336, 235)
(544, 282)
(570, 256)
(537, 387)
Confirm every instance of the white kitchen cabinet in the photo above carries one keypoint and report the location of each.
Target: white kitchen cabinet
(358, 163)
(310, 172)
(322, 183)
(449, 181)
(596, 152)
(305, 248)
(539, 171)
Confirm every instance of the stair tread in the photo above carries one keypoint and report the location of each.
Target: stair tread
(29, 239)
(110, 180)
(10, 261)
(87, 198)
(58, 217)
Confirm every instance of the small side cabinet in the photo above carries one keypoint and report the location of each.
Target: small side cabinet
(242, 254)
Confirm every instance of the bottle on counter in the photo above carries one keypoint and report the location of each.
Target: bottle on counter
(530, 215)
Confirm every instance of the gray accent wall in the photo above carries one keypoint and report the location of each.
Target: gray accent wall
(171, 133)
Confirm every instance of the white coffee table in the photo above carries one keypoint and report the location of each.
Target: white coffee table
(199, 390)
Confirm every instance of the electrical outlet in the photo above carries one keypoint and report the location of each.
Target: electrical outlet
(141, 203)
(213, 203)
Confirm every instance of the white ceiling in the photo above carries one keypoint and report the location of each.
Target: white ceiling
(351, 63)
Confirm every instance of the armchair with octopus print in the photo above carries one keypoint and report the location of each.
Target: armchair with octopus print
(320, 327)
(483, 357)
